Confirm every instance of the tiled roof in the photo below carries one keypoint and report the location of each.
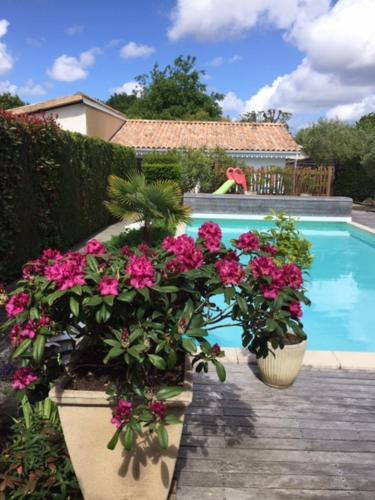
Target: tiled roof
(230, 136)
(59, 102)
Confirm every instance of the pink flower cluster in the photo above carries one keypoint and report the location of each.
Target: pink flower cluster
(158, 408)
(37, 266)
(187, 255)
(248, 242)
(94, 247)
(270, 249)
(67, 271)
(140, 271)
(108, 286)
(122, 413)
(22, 378)
(295, 310)
(288, 275)
(210, 234)
(17, 304)
(27, 331)
(230, 270)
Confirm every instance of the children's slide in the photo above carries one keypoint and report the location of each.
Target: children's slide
(234, 176)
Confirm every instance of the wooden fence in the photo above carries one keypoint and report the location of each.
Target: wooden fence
(290, 180)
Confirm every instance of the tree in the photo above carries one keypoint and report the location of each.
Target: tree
(267, 116)
(134, 200)
(175, 92)
(8, 101)
(367, 123)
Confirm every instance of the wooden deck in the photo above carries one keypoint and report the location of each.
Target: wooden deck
(243, 440)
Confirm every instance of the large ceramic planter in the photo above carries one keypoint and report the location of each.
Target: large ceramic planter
(145, 472)
(281, 368)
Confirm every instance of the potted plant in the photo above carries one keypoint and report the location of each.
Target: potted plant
(110, 336)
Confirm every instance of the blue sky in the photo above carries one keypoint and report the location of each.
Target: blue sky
(304, 56)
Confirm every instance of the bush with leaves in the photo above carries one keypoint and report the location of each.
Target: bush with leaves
(132, 316)
(35, 464)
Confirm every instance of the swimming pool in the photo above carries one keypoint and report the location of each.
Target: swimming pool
(341, 285)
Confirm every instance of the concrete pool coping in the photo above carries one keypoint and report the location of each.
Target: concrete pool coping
(344, 360)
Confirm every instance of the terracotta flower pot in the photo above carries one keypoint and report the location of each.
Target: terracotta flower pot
(281, 368)
(145, 472)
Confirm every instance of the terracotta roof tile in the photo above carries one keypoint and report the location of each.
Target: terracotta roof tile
(230, 136)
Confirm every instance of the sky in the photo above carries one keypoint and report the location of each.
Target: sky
(313, 58)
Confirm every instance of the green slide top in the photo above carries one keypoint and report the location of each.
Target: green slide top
(224, 188)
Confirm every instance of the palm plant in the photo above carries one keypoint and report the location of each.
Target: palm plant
(157, 203)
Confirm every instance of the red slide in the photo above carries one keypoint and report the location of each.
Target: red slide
(236, 175)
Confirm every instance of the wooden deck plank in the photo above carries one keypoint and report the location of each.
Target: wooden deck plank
(244, 440)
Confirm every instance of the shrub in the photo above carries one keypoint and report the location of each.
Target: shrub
(52, 187)
(162, 172)
(134, 237)
(351, 179)
(168, 158)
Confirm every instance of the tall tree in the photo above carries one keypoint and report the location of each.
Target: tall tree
(8, 101)
(267, 116)
(175, 92)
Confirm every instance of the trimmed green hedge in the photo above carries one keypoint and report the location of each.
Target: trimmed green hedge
(163, 171)
(351, 180)
(52, 187)
(168, 158)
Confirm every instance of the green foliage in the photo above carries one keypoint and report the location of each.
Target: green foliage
(35, 463)
(267, 116)
(134, 200)
(349, 148)
(292, 246)
(168, 158)
(161, 172)
(52, 187)
(9, 101)
(175, 92)
(134, 237)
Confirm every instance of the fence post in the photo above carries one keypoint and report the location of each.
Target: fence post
(329, 181)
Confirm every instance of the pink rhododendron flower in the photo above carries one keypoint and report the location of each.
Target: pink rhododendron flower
(94, 247)
(210, 234)
(230, 271)
(188, 256)
(50, 254)
(270, 249)
(248, 242)
(17, 304)
(125, 251)
(143, 248)
(22, 378)
(122, 413)
(28, 330)
(141, 272)
(292, 276)
(295, 310)
(36, 267)
(67, 272)
(262, 266)
(108, 286)
(158, 408)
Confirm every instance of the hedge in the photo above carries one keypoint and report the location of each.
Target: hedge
(351, 180)
(163, 171)
(52, 187)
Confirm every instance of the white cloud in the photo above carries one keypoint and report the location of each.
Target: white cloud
(69, 69)
(232, 105)
(235, 59)
(6, 86)
(6, 60)
(129, 88)
(216, 62)
(35, 41)
(354, 110)
(222, 19)
(74, 30)
(31, 89)
(132, 49)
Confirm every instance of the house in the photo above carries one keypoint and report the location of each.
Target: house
(256, 144)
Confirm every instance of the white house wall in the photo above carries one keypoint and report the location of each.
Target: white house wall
(71, 117)
(262, 162)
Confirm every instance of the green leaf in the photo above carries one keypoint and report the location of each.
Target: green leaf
(112, 443)
(157, 361)
(74, 306)
(21, 348)
(112, 342)
(169, 392)
(172, 419)
(241, 304)
(77, 290)
(189, 345)
(138, 332)
(229, 294)
(113, 353)
(34, 313)
(166, 289)
(220, 370)
(54, 296)
(145, 292)
(127, 296)
(128, 438)
(38, 348)
(95, 300)
(196, 332)
(92, 263)
(162, 436)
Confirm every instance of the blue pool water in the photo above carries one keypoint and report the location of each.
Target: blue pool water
(341, 285)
